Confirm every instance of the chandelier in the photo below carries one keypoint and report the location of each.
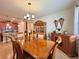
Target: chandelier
(29, 16)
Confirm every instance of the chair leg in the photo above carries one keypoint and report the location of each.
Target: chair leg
(14, 55)
(53, 56)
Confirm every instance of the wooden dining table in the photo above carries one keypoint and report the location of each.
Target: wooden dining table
(39, 49)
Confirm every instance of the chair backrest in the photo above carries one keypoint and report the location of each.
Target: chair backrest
(51, 53)
(13, 46)
(18, 50)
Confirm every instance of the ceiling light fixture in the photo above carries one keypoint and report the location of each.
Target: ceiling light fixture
(29, 16)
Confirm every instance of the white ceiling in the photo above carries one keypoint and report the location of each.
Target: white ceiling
(18, 8)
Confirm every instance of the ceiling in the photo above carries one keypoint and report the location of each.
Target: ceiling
(40, 8)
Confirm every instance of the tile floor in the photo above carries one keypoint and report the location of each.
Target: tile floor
(60, 55)
(6, 52)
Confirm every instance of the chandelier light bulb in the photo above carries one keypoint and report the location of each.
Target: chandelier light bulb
(29, 18)
(27, 15)
(33, 16)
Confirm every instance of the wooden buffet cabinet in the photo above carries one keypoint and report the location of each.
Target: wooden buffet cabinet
(68, 45)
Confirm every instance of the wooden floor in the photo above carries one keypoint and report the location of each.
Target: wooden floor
(6, 52)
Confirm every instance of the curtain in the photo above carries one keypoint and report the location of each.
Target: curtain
(76, 27)
(76, 20)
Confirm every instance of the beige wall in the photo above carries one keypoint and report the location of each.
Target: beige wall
(68, 16)
(22, 26)
(68, 25)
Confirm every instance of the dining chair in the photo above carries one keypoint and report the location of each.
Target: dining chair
(18, 53)
(53, 50)
(18, 50)
(13, 46)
